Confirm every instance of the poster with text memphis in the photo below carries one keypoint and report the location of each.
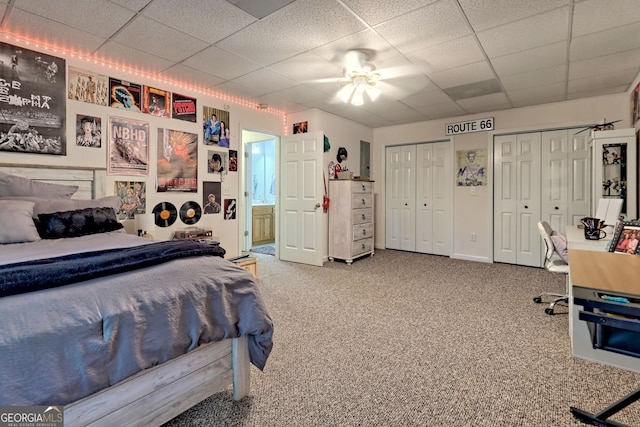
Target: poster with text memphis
(32, 101)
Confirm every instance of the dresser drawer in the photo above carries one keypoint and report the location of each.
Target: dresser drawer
(361, 187)
(362, 231)
(361, 200)
(360, 216)
(361, 246)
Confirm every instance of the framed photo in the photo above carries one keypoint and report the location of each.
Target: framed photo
(626, 238)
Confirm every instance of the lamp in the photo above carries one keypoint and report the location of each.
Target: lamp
(144, 223)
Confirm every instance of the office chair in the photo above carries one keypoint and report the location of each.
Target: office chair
(554, 264)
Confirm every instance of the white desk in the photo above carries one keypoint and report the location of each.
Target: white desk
(576, 240)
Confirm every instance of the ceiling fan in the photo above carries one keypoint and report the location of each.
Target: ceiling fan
(362, 81)
(359, 78)
(600, 126)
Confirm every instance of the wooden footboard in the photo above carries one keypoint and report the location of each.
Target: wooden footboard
(158, 394)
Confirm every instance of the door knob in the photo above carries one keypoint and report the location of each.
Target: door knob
(317, 205)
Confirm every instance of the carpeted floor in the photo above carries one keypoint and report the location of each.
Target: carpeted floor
(404, 339)
(265, 249)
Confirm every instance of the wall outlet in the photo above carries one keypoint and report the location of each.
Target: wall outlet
(473, 237)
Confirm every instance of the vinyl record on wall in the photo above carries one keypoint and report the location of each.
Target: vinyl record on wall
(190, 212)
(165, 214)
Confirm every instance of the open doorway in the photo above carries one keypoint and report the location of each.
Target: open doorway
(260, 192)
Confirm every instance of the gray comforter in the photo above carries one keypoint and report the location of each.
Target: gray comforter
(59, 345)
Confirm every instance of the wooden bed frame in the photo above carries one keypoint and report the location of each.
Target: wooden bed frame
(156, 395)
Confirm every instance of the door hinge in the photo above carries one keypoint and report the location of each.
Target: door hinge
(246, 154)
(246, 233)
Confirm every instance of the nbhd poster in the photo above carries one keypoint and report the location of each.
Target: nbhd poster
(32, 101)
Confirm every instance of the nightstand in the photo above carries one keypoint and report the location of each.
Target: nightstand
(249, 264)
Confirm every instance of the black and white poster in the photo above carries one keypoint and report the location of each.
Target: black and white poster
(32, 101)
(128, 147)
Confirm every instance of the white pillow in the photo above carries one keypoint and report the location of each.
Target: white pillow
(11, 185)
(17, 224)
(45, 206)
(560, 245)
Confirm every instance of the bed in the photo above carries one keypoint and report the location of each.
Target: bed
(164, 329)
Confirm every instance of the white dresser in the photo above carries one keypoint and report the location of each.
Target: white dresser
(350, 219)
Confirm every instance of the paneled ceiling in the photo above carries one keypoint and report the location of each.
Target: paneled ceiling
(437, 58)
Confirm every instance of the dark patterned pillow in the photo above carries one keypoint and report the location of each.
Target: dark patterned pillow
(77, 223)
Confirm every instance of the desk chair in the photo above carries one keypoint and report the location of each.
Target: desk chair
(554, 264)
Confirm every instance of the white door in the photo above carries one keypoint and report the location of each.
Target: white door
(303, 227)
(442, 178)
(425, 165)
(400, 198)
(517, 206)
(565, 181)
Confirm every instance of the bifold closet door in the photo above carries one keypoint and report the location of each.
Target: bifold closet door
(401, 197)
(434, 193)
(517, 204)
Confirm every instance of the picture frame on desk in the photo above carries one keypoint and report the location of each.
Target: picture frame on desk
(626, 238)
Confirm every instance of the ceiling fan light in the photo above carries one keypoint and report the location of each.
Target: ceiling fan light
(357, 98)
(373, 92)
(345, 93)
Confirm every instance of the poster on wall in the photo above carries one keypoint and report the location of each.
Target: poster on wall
(229, 208)
(183, 107)
(233, 161)
(33, 101)
(211, 198)
(156, 102)
(300, 127)
(134, 198)
(177, 161)
(88, 131)
(128, 147)
(216, 161)
(87, 86)
(215, 125)
(125, 95)
(472, 167)
(635, 107)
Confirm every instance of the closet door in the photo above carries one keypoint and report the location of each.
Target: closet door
(565, 181)
(434, 195)
(517, 206)
(400, 197)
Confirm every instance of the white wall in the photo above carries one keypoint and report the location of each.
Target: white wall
(473, 214)
(242, 116)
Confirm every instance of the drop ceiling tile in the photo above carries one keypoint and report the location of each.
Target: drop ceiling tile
(180, 72)
(592, 16)
(261, 43)
(383, 11)
(605, 64)
(208, 20)
(265, 81)
(260, 9)
(233, 89)
(603, 82)
(531, 59)
(496, 101)
(591, 91)
(543, 77)
(46, 31)
(164, 41)
(402, 87)
(135, 5)
(428, 26)
(366, 39)
(98, 17)
(312, 23)
(294, 95)
(462, 75)
(483, 16)
(538, 95)
(454, 53)
(128, 57)
(440, 110)
(220, 63)
(539, 30)
(307, 67)
(426, 98)
(618, 39)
